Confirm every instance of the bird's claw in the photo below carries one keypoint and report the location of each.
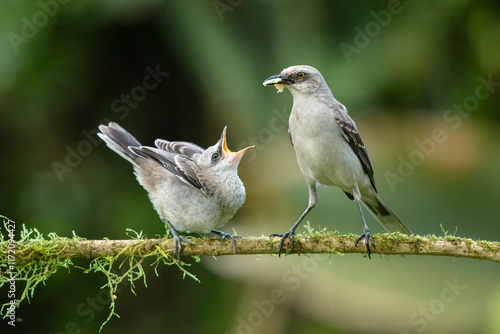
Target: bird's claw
(368, 239)
(283, 237)
(178, 245)
(224, 235)
(177, 240)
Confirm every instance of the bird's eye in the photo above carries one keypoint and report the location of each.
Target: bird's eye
(300, 75)
(215, 156)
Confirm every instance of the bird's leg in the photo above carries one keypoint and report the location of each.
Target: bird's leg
(177, 241)
(312, 202)
(225, 235)
(366, 234)
(290, 232)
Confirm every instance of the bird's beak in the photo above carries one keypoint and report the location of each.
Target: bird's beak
(227, 152)
(278, 81)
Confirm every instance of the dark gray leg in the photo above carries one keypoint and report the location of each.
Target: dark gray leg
(177, 241)
(366, 234)
(291, 232)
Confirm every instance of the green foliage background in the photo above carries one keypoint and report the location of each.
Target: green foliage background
(75, 68)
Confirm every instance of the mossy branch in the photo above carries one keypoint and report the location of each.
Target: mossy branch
(387, 244)
(37, 258)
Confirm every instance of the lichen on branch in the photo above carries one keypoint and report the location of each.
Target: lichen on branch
(317, 242)
(37, 257)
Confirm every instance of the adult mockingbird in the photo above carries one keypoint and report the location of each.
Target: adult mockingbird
(329, 149)
(192, 189)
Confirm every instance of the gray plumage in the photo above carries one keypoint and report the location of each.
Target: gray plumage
(329, 149)
(192, 189)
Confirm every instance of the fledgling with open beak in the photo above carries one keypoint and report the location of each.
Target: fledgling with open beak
(192, 189)
(329, 149)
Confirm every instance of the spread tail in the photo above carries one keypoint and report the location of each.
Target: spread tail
(385, 216)
(119, 140)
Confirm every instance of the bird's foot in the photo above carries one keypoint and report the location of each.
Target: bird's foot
(368, 239)
(224, 235)
(178, 240)
(283, 237)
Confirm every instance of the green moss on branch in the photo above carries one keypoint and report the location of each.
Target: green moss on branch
(37, 257)
(388, 244)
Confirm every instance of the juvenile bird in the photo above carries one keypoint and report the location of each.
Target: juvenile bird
(192, 189)
(329, 149)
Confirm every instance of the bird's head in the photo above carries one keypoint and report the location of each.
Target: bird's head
(302, 79)
(219, 157)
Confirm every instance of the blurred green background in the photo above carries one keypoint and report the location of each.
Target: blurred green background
(403, 69)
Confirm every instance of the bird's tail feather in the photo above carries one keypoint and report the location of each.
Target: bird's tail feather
(385, 216)
(119, 140)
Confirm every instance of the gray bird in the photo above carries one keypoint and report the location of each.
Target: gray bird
(329, 149)
(192, 189)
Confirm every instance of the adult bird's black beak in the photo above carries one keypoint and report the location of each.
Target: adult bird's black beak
(278, 81)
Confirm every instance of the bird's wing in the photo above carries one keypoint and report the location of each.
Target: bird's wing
(181, 166)
(179, 147)
(351, 134)
(190, 172)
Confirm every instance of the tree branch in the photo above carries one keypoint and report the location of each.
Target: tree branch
(388, 244)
